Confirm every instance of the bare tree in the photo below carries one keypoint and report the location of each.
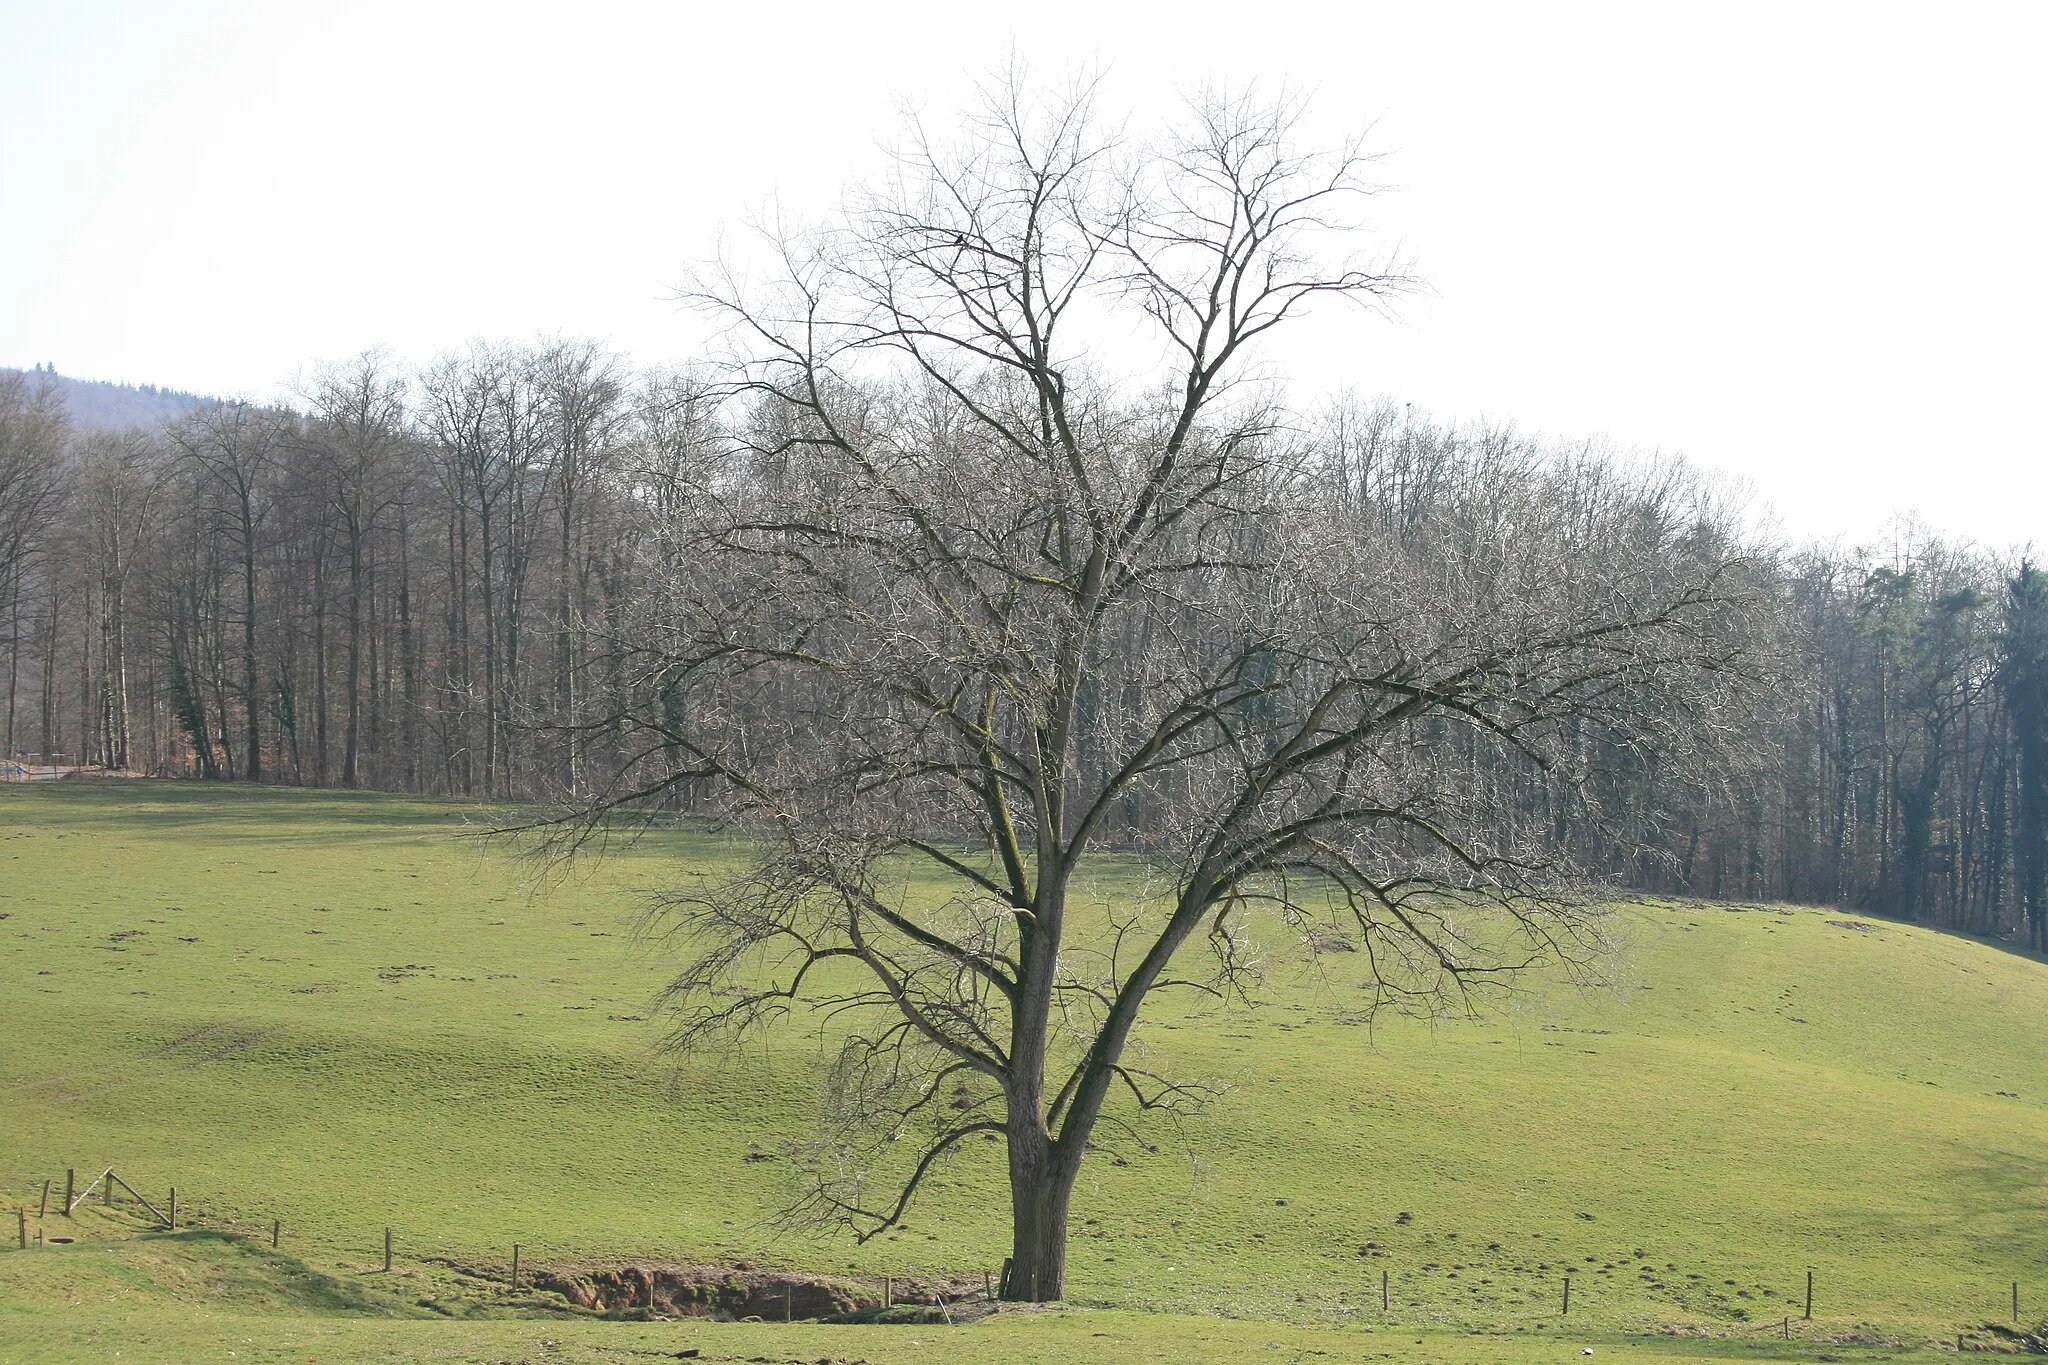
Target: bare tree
(358, 441)
(981, 608)
(117, 482)
(235, 447)
(483, 418)
(583, 393)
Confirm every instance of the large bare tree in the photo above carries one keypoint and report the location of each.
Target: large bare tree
(1012, 565)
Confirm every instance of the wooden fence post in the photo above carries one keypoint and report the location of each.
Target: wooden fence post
(888, 1292)
(43, 1209)
(1567, 1296)
(70, 1179)
(22, 1211)
(788, 1299)
(988, 1289)
(387, 1251)
(274, 1229)
(515, 1267)
(171, 1223)
(1386, 1301)
(107, 1188)
(1809, 1294)
(2015, 1300)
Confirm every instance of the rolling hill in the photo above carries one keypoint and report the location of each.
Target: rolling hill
(336, 1012)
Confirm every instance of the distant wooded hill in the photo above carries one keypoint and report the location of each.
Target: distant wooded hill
(96, 405)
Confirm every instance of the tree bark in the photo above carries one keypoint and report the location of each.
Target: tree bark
(1041, 1190)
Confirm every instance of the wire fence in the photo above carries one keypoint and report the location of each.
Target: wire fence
(899, 1291)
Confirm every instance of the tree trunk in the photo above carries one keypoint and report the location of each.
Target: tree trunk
(355, 661)
(565, 668)
(491, 686)
(320, 667)
(409, 701)
(1916, 838)
(1041, 1188)
(117, 668)
(2031, 841)
(88, 675)
(250, 695)
(48, 698)
(13, 663)
(1042, 1170)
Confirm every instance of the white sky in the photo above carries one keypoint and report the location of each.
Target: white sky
(1803, 244)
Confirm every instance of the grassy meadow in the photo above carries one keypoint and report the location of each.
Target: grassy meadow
(335, 1012)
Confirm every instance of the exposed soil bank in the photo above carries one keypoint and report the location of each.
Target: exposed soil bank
(736, 1293)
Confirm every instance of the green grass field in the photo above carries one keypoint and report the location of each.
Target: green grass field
(334, 1012)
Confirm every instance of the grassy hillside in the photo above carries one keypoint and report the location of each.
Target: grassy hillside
(334, 1012)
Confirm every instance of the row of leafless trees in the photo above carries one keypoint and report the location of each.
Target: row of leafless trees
(395, 583)
(421, 582)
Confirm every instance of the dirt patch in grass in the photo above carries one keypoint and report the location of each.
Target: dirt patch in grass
(737, 1293)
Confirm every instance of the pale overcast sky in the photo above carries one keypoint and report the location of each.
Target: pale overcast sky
(1803, 244)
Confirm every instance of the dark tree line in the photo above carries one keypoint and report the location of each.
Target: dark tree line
(1903, 766)
(417, 581)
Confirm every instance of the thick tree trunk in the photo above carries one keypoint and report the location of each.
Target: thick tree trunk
(1042, 1170)
(1041, 1188)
